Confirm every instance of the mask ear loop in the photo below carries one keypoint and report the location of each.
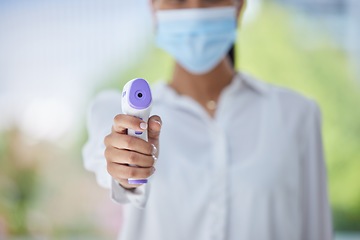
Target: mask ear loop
(239, 16)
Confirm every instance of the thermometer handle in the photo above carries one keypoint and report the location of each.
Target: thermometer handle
(142, 135)
(136, 101)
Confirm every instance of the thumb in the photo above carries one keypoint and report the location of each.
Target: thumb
(154, 127)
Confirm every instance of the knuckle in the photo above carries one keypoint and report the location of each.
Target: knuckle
(129, 142)
(117, 118)
(109, 168)
(148, 172)
(132, 173)
(152, 160)
(133, 158)
(107, 140)
(107, 153)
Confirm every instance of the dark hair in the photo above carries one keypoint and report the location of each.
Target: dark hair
(231, 55)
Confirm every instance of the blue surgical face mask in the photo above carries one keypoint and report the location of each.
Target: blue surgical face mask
(198, 38)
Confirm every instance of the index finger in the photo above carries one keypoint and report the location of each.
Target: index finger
(123, 122)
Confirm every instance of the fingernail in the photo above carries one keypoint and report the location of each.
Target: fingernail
(143, 125)
(153, 170)
(154, 149)
(158, 122)
(155, 159)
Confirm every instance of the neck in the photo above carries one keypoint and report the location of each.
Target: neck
(205, 87)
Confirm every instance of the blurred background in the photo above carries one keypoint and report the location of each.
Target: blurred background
(55, 56)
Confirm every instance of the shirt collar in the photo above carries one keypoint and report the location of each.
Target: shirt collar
(240, 80)
(257, 85)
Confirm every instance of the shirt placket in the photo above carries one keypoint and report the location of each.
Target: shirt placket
(219, 190)
(218, 205)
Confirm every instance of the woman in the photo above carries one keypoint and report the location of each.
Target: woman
(240, 159)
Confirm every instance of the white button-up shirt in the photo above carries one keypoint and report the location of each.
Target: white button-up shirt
(255, 171)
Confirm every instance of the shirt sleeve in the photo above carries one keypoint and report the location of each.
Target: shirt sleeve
(100, 116)
(316, 216)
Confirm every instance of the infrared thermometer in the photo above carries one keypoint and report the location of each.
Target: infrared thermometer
(136, 101)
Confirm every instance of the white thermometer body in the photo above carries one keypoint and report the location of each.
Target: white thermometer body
(136, 101)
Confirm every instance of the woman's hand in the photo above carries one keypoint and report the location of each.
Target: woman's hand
(122, 149)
